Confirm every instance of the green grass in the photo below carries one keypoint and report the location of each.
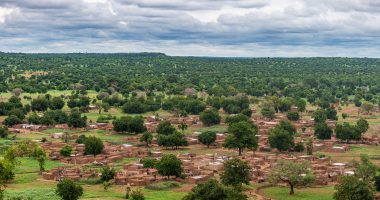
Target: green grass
(105, 136)
(25, 178)
(282, 193)
(163, 195)
(33, 193)
(28, 165)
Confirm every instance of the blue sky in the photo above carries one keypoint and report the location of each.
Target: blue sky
(257, 28)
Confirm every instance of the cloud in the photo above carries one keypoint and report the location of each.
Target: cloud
(193, 27)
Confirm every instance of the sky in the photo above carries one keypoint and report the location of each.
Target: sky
(242, 28)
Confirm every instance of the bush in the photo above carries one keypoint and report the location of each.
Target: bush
(108, 174)
(149, 162)
(93, 146)
(12, 120)
(68, 190)
(136, 195)
(293, 116)
(3, 132)
(81, 139)
(210, 117)
(299, 147)
(66, 150)
(163, 185)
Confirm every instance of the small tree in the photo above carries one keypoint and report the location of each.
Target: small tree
(367, 107)
(165, 128)
(210, 117)
(147, 137)
(40, 155)
(350, 187)
(268, 112)
(319, 116)
(68, 190)
(76, 120)
(66, 150)
(293, 116)
(236, 172)
(292, 173)
(173, 140)
(149, 162)
(309, 146)
(169, 165)
(237, 118)
(3, 132)
(183, 127)
(107, 174)
(56, 103)
(280, 139)
(322, 131)
(12, 120)
(136, 195)
(365, 170)
(93, 146)
(362, 125)
(207, 138)
(241, 136)
(213, 190)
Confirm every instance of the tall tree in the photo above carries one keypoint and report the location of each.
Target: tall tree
(241, 136)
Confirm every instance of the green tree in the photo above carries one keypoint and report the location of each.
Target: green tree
(68, 190)
(351, 188)
(66, 150)
(165, 128)
(367, 107)
(149, 162)
(309, 146)
(40, 155)
(365, 170)
(12, 120)
(322, 131)
(93, 146)
(301, 105)
(241, 136)
(213, 190)
(76, 120)
(4, 132)
(56, 103)
(291, 173)
(237, 118)
(280, 139)
(293, 116)
(173, 140)
(319, 116)
(183, 127)
(40, 104)
(207, 138)
(210, 117)
(236, 172)
(268, 112)
(347, 132)
(362, 125)
(107, 173)
(146, 137)
(169, 165)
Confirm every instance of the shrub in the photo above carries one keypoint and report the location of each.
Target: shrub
(81, 139)
(93, 146)
(3, 132)
(68, 190)
(163, 185)
(149, 162)
(293, 116)
(299, 147)
(136, 195)
(108, 174)
(66, 150)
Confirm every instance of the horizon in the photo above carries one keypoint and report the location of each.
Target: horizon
(208, 28)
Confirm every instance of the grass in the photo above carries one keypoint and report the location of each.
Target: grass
(282, 193)
(28, 165)
(354, 153)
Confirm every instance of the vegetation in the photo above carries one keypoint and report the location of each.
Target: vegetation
(169, 165)
(93, 146)
(68, 190)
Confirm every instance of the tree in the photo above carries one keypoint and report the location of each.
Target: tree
(331, 114)
(301, 105)
(241, 136)
(12, 120)
(236, 172)
(362, 125)
(367, 107)
(107, 173)
(347, 132)
(213, 190)
(322, 131)
(40, 155)
(6, 174)
(280, 139)
(40, 104)
(34, 118)
(299, 147)
(288, 126)
(76, 120)
(66, 150)
(268, 112)
(237, 118)
(169, 165)
(291, 173)
(56, 103)
(365, 170)
(319, 116)
(68, 190)
(182, 127)
(207, 138)
(149, 162)
(165, 128)
(309, 146)
(93, 146)
(210, 117)
(146, 137)
(351, 188)
(293, 116)
(4, 132)
(173, 140)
